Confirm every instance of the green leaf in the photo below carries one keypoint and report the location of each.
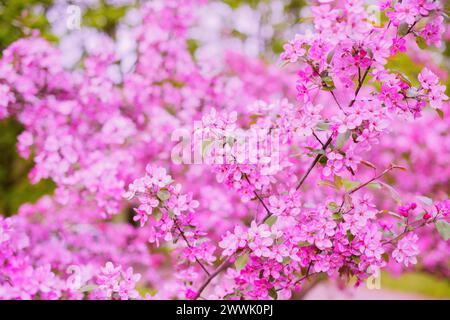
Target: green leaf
(349, 184)
(323, 160)
(374, 185)
(88, 288)
(333, 206)
(328, 83)
(404, 78)
(241, 262)
(403, 29)
(421, 42)
(440, 113)
(157, 214)
(342, 139)
(326, 183)
(192, 46)
(318, 151)
(303, 244)
(205, 146)
(254, 118)
(286, 260)
(163, 194)
(271, 220)
(323, 126)
(385, 257)
(273, 293)
(350, 236)
(336, 216)
(444, 229)
(231, 141)
(338, 182)
(330, 56)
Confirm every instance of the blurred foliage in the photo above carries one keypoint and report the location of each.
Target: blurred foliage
(236, 3)
(447, 65)
(291, 6)
(15, 187)
(104, 17)
(294, 6)
(403, 64)
(418, 283)
(19, 17)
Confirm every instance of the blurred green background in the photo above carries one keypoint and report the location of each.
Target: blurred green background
(20, 17)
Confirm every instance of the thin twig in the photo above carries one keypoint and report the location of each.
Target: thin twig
(408, 229)
(391, 167)
(331, 91)
(219, 269)
(313, 164)
(337, 102)
(362, 185)
(360, 83)
(302, 278)
(259, 197)
(189, 245)
(317, 138)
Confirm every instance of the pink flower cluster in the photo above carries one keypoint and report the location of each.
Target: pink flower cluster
(50, 253)
(317, 206)
(113, 283)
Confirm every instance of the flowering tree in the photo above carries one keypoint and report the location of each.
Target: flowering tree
(217, 215)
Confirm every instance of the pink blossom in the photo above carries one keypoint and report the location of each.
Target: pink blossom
(405, 11)
(398, 45)
(407, 250)
(432, 32)
(158, 176)
(233, 241)
(334, 165)
(277, 205)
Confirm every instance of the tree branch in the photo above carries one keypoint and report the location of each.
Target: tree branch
(226, 263)
(313, 164)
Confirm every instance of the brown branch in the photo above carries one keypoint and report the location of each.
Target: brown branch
(336, 100)
(259, 198)
(408, 229)
(360, 83)
(317, 138)
(313, 164)
(362, 185)
(190, 246)
(325, 146)
(304, 277)
(225, 264)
